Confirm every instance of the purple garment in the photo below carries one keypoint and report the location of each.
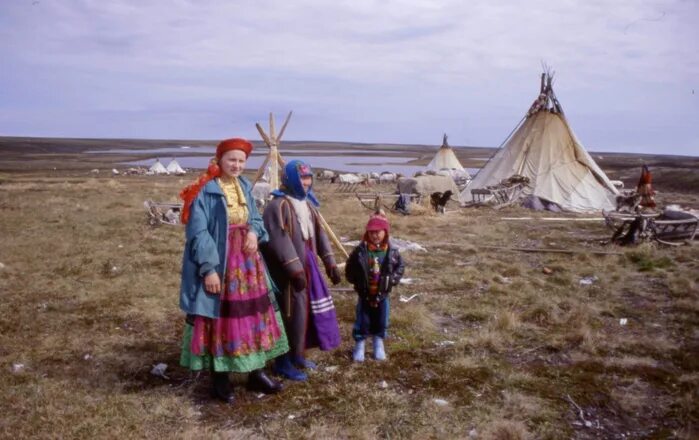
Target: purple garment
(323, 330)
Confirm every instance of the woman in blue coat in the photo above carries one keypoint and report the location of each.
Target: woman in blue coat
(232, 323)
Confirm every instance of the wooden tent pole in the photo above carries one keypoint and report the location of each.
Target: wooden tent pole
(272, 132)
(261, 170)
(281, 132)
(331, 234)
(265, 138)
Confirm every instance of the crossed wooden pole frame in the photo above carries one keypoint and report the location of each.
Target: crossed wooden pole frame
(274, 159)
(276, 163)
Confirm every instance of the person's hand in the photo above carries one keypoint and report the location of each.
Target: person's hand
(212, 283)
(250, 245)
(298, 282)
(334, 275)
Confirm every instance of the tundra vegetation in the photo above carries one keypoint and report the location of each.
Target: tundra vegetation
(493, 346)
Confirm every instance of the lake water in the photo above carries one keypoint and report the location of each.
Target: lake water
(351, 164)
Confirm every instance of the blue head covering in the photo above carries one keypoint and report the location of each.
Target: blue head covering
(291, 182)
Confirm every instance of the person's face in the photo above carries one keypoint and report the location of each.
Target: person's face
(306, 181)
(232, 163)
(376, 237)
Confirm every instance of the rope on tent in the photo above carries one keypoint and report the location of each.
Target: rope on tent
(501, 144)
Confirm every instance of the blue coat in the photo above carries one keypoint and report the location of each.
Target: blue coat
(206, 247)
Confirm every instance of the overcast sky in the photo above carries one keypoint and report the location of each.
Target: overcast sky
(626, 71)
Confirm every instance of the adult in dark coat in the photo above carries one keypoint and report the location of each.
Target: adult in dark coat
(296, 240)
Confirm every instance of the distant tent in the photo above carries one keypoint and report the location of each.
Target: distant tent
(157, 168)
(544, 149)
(445, 160)
(175, 168)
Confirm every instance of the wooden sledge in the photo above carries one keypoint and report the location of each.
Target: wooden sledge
(666, 228)
(163, 213)
(375, 201)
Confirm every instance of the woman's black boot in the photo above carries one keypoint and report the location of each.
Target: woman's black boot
(221, 387)
(259, 381)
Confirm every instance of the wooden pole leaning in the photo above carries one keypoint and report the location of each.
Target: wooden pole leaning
(331, 234)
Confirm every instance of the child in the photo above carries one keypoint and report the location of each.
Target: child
(373, 267)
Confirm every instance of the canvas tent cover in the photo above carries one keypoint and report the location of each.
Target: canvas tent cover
(426, 185)
(175, 168)
(445, 159)
(157, 168)
(545, 150)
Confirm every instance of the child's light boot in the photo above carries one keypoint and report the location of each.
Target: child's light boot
(379, 352)
(358, 351)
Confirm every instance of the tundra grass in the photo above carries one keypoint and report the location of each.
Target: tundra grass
(492, 346)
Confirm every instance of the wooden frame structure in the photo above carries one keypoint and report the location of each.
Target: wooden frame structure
(274, 159)
(652, 226)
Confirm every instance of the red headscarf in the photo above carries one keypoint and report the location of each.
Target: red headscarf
(189, 193)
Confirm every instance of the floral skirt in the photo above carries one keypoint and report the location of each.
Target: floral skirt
(249, 330)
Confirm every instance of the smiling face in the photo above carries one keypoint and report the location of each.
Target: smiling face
(232, 163)
(307, 181)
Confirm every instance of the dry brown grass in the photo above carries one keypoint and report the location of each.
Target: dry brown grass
(89, 304)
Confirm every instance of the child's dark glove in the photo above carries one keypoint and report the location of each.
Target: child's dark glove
(334, 274)
(298, 282)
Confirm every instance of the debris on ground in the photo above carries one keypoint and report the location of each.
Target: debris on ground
(547, 270)
(87, 357)
(503, 280)
(407, 281)
(588, 281)
(398, 243)
(445, 343)
(440, 402)
(331, 368)
(17, 368)
(2, 266)
(159, 370)
(383, 384)
(405, 299)
(623, 321)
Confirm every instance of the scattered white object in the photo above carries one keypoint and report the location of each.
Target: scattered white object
(120, 246)
(409, 298)
(473, 433)
(17, 368)
(114, 269)
(587, 281)
(503, 280)
(441, 402)
(87, 357)
(2, 266)
(291, 417)
(95, 171)
(407, 281)
(445, 343)
(588, 424)
(159, 370)
(623, 321)
(400, 244)
(383, 384)
(261, 395)
(331, 368)
(405, 245)
(115, 171)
